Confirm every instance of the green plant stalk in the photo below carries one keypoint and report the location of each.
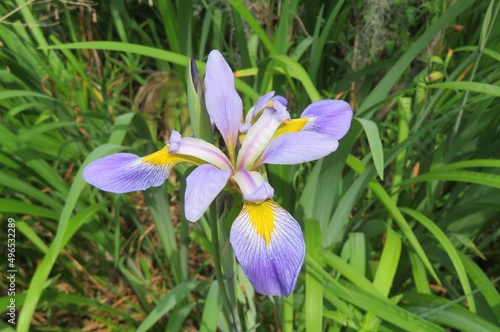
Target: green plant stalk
(231, 308)
(404, 109)
(287, 314)
(485, 32)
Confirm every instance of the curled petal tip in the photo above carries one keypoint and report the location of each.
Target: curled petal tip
(175, 141)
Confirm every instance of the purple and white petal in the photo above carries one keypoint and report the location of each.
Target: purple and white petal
(202, 186)
(253, 186)
(280, 99)
(199, 149)
(259, 104)
(328, 117)
(260, 134)
(223, 103)
(296, 148)
(269, 246)
(125, 172)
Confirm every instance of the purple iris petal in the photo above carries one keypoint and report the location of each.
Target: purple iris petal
(262, 193)
(202, 186)
(269, 246)
(296, 148)
(262, 101)
(253, 186)
(124, 172)
(260, 134)
(174, 142)
(223, 102)
(259, 104)
(281, 99)
(328, 117)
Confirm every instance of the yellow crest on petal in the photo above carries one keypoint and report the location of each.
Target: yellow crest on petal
(262, 217)
(291, 126)
(163, 157)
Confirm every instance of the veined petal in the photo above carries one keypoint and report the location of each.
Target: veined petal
(269, 246)
(296, 148)
(198, 148)
(253, 186)
(202, 186)
(223, 103)
(259, 104)
(125, 172)
(328, 117)
(260, 134)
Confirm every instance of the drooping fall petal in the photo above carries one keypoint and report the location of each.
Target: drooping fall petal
(296, 148)
(125, 172)
(269, 246)
(202, 186)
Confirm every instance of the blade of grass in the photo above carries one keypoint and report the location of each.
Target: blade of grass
(382, 308)
(152, 52)
(313, 306)
(483, 283)
(24, 208)
(487, 89)
(375, 143)
(486, 179)
(298, 72)
(386, 200)
(379, 93)
(212, 309)
(388, 264)
(319, 42)
(445, 312)
(357, 248)
(66, 228)
(450, 250)
(172, 299)
(241, 8)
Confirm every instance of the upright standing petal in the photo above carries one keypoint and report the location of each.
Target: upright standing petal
(259, 104)
(125, 172)
(270, 247)
(328, 117)
(223, 103)
(260, 134)
(202, 186)
(296, 148)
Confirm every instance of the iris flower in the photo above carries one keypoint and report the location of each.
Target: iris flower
(266, 239)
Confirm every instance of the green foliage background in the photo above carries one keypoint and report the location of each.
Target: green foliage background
(401, 224)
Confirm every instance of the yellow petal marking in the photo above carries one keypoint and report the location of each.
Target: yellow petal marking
(291, 126)
(262, 217)
(162, 157)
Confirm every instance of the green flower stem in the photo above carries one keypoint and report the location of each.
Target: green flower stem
(287, 313)
(229, 273)
(230, 307)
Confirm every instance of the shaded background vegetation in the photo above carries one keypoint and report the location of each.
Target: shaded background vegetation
(401, 223)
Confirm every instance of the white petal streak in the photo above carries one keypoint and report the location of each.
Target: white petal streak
(260, 134)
